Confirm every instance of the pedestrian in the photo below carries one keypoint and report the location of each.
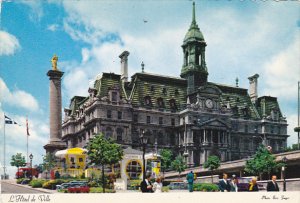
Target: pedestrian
(146, 185)
(234, 184)
(253, 185)
(272, 185)
(224, 184)
(157, 186)
(190, 180)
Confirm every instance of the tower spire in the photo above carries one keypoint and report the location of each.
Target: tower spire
(194, 15)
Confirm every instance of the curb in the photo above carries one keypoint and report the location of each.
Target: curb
(29, 187)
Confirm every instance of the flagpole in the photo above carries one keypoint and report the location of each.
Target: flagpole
(27, 138)
(4, 148)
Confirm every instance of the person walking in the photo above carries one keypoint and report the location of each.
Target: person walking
(224, 185)
(157, 186)
(146, 185)
(272, 185)
(190, 180)
(253, 185)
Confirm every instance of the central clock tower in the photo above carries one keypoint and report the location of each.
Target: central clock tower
(194, 68)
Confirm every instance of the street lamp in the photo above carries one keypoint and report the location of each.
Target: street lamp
(143, 141)
(31, 157)
(283, 169)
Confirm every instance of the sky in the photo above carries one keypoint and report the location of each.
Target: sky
(243, 38)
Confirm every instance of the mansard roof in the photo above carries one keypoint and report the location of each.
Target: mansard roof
(266, 104)
(157, 87)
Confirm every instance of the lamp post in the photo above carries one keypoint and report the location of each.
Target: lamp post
(283, 169)
(143, 141)
(31, 157)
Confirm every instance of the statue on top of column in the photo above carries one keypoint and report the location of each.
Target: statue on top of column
(54, 62)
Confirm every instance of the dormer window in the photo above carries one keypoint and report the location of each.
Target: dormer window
(147, 101)
(160, 103)
(164, 91)
(152, 88)
(114, 97)
(173, 105)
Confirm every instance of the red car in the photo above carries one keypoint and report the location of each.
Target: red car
(78, 188)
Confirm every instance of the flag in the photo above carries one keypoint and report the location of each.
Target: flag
(27, 128)
(9, 120)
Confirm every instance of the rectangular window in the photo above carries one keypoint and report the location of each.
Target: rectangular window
(135, 118)
(108, 113)
(119, 114)
(148, 119)
(160, 121)
(173, 122)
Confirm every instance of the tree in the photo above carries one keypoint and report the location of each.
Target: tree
(166, 159)
(212, 163)
(103, 152)
(262, 162)
(178, 165)
(49, 161)
(18, 160)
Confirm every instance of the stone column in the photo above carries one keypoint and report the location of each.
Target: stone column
(55, 142)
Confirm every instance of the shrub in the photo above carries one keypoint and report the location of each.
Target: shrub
(209, 187)
(37, 183)
(93, 183)
(19, 180)
(23, 181)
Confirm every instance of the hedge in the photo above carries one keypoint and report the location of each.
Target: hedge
(206, 187)
(37, 183)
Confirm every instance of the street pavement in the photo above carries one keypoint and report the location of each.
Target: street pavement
(11, 187)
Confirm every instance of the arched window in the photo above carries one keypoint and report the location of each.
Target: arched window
(108, 132)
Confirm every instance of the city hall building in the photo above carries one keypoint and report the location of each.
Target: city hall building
(187, 114)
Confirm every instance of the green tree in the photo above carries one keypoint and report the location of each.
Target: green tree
(166, 159)
(178, 165)
(212, 163)
(49, 162)
(103, 152)
(262, 162)
(18, 160)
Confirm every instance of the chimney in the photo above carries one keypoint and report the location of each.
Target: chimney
(253, 87)
(124, 66)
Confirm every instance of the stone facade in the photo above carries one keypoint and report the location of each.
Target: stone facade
(188, 115)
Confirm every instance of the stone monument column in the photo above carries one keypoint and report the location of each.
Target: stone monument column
(55, 142)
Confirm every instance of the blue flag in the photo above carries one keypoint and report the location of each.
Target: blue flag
(9, 120)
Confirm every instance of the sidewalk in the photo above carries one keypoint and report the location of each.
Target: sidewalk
(14, 182)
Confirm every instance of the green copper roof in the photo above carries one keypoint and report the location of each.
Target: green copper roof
(194, 33)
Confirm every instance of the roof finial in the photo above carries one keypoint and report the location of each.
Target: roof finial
(143, 65)
(194, 17)
(237, 82)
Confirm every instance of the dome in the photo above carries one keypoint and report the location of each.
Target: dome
(193, 34)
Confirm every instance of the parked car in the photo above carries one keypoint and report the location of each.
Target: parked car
(70, 184)
(178, 186)
(78, 188)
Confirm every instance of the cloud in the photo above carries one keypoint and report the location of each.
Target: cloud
(282, 72)
(9, 44)
(17, 98)
(53, 27)
(16, 139)
(36, 9)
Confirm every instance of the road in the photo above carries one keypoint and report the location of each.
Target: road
(8, 188)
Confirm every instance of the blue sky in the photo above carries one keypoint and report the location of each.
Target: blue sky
(243, 38)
